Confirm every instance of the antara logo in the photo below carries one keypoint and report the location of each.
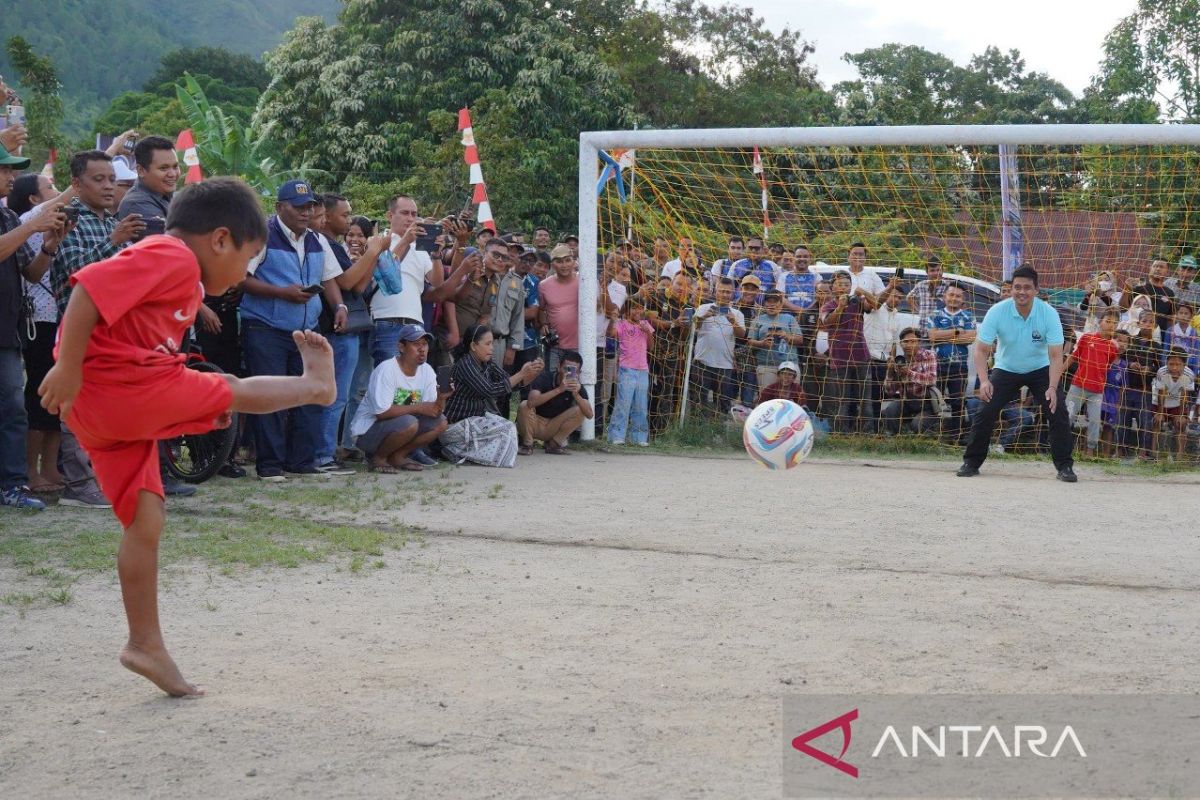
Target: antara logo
(801, 742)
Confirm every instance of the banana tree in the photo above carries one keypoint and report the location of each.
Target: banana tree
(225, 146)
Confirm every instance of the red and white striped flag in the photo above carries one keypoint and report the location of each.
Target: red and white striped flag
(48, 169)
(762, 182)
(187, 145)
(471, 156)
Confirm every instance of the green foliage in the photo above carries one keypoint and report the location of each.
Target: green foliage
(226, 67)
(225, 146)
(103, 49)
(43, 105)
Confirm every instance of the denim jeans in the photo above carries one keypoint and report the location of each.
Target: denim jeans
(14, 424)
(358, 385)
(345, 360)
(632, 406)
(285, 439)
(1077, 395)
(385, 340)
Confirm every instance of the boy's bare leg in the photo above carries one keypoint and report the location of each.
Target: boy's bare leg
(267, 394)
(137, 566)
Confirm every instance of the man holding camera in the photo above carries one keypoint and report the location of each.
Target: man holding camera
(282, 294)
(557, 405)
(96, 235)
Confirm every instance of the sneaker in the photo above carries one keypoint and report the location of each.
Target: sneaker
(617, 444)
(91, 497)
(643, 444)
(231, 470)
(996, 449)
(967, 471)
(422, 458)
(174, 488)
(19, 497)
(310, 472)
(1067, 475)
(272, 478)
(334, 468)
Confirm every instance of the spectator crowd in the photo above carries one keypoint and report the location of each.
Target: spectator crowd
(452, 342)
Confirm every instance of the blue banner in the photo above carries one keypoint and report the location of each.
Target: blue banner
(1010, 204)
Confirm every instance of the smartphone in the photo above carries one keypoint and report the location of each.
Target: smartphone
(443, 378)
(154, 225)
(688, 313)
(900, 273)
(571, 372)
(722, 310)
(429, 242)
(130, 143)
(16, 114)
(316, 288)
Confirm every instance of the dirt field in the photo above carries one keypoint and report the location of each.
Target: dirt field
(604, 626)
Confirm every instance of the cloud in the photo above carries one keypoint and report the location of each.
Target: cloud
(956, 28)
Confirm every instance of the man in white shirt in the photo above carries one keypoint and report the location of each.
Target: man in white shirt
(723, 267)
(860, 276)
(281, 295)
(717, 327)
(687, 258)
(881, 329)
(409, 269)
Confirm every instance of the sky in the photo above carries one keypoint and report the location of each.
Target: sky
(957, 28)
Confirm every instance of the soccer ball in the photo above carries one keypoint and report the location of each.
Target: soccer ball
(778, 434)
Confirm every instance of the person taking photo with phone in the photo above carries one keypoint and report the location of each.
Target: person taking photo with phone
(558, 404)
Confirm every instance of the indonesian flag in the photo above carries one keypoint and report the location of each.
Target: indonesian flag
(471, 157)
(187, 145)
(762, 182)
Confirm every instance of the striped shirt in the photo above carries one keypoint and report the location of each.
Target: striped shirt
(476, 387)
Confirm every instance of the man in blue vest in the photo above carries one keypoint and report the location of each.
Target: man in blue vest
(283, 294)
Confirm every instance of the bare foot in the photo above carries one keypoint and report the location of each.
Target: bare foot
(317, 357)
(159, 669)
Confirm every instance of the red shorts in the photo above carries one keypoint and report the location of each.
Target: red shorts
(119, 426)
(1168, 411)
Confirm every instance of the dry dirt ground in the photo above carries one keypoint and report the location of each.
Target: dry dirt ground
(608, 625)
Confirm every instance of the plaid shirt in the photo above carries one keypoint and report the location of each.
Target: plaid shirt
(11, 298)
(929, 299)
(87, 243)
(922, 373)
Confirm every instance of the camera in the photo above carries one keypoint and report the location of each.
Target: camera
(549, 339)
(154, 225)
(71, 213)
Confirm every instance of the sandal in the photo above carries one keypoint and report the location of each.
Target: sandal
(556, 450)
(525, 450)
(383, 469)
(48, 488)
(412, 466)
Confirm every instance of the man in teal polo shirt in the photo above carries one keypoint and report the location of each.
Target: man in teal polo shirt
(1027, 337)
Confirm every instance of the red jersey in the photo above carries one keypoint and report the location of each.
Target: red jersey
(1093, 353)
(148, 296)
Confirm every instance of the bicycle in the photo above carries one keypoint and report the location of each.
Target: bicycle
(196, 457)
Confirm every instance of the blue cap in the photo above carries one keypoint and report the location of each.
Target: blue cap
(298, 193)
(411, 333)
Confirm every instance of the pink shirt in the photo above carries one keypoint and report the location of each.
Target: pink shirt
(634, 340)
(561, 301)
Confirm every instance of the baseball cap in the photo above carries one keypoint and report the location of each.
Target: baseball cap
(561, 251)
(298, 193)
(788, 365)
(570, 237)
(7, 159)
(529, 253)
(774, 294)
(123, 170)
(1188, 262)
(411, 333)
(751, 279)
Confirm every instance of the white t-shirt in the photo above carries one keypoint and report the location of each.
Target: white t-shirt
(714, 338)
(413, 269)
(329, 270)
(881, 329)
(671, 268)
(867, 280)
(390, 386)
(1175, 387)
(618, 293)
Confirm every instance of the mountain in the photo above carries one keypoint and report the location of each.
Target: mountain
(104, 47)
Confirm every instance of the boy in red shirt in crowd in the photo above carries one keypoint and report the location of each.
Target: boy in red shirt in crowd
(1092, 355)
(121, 384)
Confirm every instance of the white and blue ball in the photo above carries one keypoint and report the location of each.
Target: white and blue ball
(778, 434)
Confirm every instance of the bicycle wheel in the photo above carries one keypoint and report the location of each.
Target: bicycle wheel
(196, 457)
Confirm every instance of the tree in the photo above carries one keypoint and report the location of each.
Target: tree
(231, 69)
(43, 105)
(1151, 66)
(378, 93)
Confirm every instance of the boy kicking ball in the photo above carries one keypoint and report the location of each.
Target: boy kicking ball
(121, 384)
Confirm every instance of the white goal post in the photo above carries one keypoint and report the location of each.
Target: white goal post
(592, 142)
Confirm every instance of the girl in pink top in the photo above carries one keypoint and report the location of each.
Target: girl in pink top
(633, 378)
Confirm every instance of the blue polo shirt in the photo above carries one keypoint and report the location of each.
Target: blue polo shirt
(1021, 342)
(945, 321)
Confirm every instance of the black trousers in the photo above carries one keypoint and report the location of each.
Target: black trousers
(1006, 386)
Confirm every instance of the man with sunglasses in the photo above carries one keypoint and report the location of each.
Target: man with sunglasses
(755, 263)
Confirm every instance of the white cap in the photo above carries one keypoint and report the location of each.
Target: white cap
(123, 170)
(788, 365)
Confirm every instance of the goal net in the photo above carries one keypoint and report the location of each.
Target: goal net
(1109, 216)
